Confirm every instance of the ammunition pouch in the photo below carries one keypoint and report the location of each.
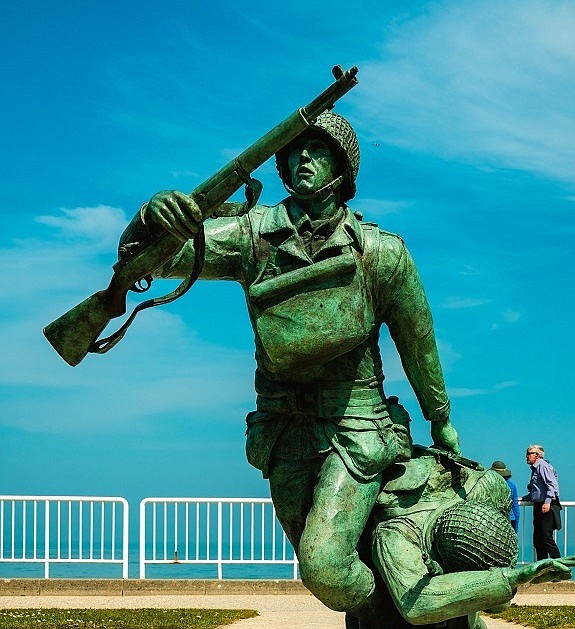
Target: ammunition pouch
(311, 315)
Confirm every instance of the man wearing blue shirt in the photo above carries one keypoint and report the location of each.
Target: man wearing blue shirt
(544, 493)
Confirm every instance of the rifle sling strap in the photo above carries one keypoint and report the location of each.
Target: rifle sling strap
(101, 346)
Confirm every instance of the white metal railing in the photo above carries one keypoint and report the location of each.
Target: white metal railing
(64, 529)
(565, 538)
(217, 531)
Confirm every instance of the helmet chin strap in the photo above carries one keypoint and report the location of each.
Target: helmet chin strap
(320, 195)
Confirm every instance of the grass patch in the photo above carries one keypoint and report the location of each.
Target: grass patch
(121, 618)
(540, 616)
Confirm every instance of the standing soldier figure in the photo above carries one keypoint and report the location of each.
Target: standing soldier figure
(319, 283)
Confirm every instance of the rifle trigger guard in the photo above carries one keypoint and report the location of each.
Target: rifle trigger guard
(141, 286)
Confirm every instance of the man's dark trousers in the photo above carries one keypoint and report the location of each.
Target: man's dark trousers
(543, 526)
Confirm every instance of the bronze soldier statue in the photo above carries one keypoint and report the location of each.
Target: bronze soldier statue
(319, 283)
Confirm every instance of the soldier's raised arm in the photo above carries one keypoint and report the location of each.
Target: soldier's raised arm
(407, 314)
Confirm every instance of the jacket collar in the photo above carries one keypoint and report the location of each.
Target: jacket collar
(277, 225)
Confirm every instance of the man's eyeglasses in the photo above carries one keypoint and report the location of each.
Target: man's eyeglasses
(528, 453)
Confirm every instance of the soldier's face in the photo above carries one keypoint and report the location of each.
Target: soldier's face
(312, 164)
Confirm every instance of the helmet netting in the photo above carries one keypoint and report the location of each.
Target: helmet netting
(474, 536)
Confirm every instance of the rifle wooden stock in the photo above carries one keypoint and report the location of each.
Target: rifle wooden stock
(74, 334)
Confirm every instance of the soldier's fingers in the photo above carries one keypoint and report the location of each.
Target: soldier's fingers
(553, 572)
(550, 576)
(158, 200)
(188, 206)
(543, 564)
(167, 216)
(169, 226)
(558, 566)
(185, 226)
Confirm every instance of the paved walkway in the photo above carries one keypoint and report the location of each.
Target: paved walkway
(297, 611)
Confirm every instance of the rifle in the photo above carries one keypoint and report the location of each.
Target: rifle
(450, 456)
(75, 333)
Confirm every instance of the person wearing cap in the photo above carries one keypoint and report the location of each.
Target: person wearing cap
(319, 283)
(543, 490)
(501, 468)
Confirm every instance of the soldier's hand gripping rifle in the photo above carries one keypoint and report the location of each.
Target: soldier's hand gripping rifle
(76, 332)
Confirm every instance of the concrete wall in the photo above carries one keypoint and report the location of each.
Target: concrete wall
(154, 587)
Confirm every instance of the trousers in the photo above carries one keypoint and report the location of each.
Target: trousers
(323, 510)
(543, 527)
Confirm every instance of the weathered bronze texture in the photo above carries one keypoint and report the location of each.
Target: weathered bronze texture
(380, 534)
(73, 335)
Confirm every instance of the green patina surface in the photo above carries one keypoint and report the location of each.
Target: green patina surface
(320, 284)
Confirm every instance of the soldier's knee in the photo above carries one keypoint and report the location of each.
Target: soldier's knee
(326, 577)
(331, 594)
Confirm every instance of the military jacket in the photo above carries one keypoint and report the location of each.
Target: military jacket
(360, 278)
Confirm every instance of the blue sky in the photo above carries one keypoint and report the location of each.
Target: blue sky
(464, 113)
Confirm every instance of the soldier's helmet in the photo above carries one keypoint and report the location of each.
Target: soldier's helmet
(339, 134)
(473, 536)
(491, 488)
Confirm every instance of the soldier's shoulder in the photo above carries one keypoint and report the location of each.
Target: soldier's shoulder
(388, 243)
(383, 247)
(390, 239)
(382, 234)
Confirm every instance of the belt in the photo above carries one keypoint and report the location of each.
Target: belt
(358, 398)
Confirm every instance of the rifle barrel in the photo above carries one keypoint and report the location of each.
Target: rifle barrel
(74, 334)
(219, 187)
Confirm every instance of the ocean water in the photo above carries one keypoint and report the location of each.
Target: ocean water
(15, 570)
(255, 527)
(164, 571)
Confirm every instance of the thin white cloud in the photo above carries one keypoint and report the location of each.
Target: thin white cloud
(479, 80)
(508, 316)
(468, 270)
(76, 252)
(511, 316)
(101, 224)
(457, 303)
(449, 356)
(380, 207)
(184, 174)
(457, 392)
